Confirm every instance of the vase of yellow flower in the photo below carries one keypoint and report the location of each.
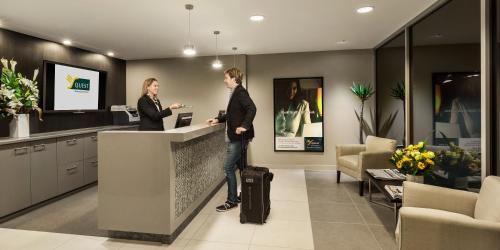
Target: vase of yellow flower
(414, 161)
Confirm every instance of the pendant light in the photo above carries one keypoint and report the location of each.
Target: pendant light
(234, 56)
(217, 64)
(189, 49)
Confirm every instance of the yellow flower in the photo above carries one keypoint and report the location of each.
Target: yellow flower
(399, 152)
(418, 157)
(421, 165)
(398, 165)
(430, 162)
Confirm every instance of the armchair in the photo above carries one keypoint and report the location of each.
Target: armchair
(440, 218)
(354, 159)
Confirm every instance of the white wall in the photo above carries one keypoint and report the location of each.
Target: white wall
(339, 69)
(190, 81)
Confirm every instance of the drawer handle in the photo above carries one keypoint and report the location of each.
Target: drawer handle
(21, 151)
(94, 138)
(39, 147)
(71, 142)
(70, 170)
(93, 162)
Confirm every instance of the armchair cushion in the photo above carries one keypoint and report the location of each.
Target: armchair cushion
(422, 228)
(488, 202)
(374, 143)
(349, 161)
(375, 159)
(427, 196)
(349, 149)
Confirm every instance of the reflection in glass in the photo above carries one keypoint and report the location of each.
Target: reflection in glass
(446, 86)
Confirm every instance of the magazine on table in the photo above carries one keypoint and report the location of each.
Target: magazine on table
(396, 192)
(386, 174)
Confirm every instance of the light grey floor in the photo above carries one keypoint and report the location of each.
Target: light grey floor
(341, 219)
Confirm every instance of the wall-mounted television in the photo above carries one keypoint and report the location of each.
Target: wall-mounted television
(73, 88)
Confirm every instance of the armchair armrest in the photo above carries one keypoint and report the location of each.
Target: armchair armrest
(427, 196)
(379, 160)
(423, 228)
(349, 149)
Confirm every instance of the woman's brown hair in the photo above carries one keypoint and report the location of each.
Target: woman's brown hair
(235, 73)
(146, 84)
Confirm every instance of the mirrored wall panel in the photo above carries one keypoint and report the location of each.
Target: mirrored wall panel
(390, 89)
(446, 92)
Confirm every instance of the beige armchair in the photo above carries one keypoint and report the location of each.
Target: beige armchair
(440, 218)
(354, 159)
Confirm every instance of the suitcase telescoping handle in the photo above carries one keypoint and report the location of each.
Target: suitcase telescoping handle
(243, 158)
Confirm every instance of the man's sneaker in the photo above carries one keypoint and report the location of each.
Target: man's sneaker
(238, 199)
(226, 206)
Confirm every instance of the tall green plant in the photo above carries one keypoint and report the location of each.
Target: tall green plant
(398, 92)
(363, 92)
(18, 94)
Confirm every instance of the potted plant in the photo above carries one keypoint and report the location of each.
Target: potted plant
(414, 161)
(398, 93)
(363, 92)
(5, 117)
(458, 164)
(19, 97)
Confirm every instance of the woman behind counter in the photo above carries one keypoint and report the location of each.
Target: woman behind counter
(150, 109)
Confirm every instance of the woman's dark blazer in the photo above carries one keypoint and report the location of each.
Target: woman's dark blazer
(151, 118)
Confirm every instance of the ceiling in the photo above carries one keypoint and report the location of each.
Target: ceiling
(158, 28)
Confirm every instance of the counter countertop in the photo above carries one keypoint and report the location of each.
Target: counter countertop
(182, 134)
(61, 133)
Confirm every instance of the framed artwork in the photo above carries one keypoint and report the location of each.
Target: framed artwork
(298, 114)
(457, 109)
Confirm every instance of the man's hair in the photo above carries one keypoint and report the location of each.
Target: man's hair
(235, 73)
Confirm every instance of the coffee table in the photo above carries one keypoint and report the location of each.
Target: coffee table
(380, 185)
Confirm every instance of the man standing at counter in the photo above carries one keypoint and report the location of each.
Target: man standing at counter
(239, 116)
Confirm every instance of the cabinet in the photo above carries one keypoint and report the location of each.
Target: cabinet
(43, 165)
(14, 178)
(89, 170)
(90, 146)
(70, 176)
(69, 149)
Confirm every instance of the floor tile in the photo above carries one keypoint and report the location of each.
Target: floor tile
(329, 236)
(289, 210)
(384, 236)
(178, 244)
(208, 245)
(335, 212)
(255, 247)
(377, 214)
(291, 234)
(223, 228)
(320, 195)
(193, 226)
(85, 242)
(288, 194)
(23, 239)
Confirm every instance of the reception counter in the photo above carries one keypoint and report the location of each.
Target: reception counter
(152, 183)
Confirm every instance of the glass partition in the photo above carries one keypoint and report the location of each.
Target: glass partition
(390, 74)
(446, 92)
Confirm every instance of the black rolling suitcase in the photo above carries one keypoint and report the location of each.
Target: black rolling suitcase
(255, 189)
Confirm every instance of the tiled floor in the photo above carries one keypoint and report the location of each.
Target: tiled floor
(319, 215)
(341, 219)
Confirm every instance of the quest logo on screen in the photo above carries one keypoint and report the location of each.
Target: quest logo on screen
(78, 84)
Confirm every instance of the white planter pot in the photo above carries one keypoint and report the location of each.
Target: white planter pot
(415, 178)
(20, 126)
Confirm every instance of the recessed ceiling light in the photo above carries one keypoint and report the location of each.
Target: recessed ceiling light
(365, 9)
(111, 53)
(342, 42)
(66, 42)
(257, 18)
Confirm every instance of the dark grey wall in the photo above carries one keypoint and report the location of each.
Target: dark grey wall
(30, 52)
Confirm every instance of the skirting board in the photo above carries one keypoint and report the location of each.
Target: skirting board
(289, 166)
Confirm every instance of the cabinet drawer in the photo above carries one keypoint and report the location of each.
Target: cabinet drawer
(70, 176)
(69, 149)
(43, 156)
(90, 146)
(14, 178)
(90, 170)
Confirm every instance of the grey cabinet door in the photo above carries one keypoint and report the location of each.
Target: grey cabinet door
(70, 176)
(90, 170)
(69, 149)
(14, 178)
(90, 146)
(43, 155)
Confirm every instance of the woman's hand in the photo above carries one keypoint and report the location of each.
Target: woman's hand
(240, 130)
(212, 121)
(175, 105)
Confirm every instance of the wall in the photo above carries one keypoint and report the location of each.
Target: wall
(190, 81)
(339, 69)
(30, 52)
